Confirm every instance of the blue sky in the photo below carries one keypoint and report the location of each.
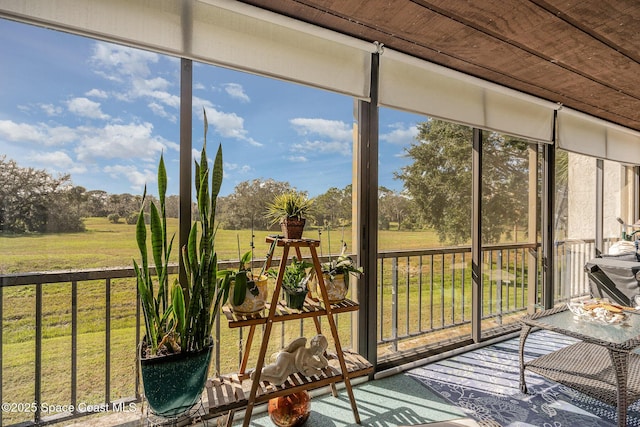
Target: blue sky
(103, 113)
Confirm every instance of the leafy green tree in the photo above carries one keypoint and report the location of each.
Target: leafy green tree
(33, 200)
(78, 197)
(246, 206)
(439, 181)
(124, 204)
(333, 207)
(397, 208)
(96, 203)
(173, 206)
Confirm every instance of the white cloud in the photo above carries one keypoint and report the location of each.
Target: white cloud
(131, 67)
(332, 129)
(137, 178)
(86, 108)
(234, 167)
(323, 147)
(297, 159)
(160, 111)
(229, 125)
(97, 93)
(122, 141)
(236, 91)
(333, 136)
(60, 135)
(123, 61)
(57, 160)
(50, 109)
(400, 134)
(40, 133)
(17, 132)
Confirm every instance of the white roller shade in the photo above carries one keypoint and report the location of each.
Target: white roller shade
(421, 87)
(583, 134)
(220, 32)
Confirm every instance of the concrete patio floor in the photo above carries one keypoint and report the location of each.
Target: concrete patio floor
(393, 401)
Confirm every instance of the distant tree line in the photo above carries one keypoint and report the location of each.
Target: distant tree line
(436, 194)
(35, 201)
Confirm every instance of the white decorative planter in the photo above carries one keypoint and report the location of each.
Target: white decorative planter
(252, 303)
(336, 289)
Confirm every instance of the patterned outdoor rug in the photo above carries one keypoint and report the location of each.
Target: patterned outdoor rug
(485, 384)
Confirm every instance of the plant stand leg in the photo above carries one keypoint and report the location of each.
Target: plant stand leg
(245, 355)
(336, 337)
(265, 338)
(229, 421)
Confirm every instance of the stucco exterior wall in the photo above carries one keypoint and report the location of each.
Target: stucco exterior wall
(581, 199)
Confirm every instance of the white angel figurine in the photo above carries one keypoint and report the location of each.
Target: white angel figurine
(296, 357)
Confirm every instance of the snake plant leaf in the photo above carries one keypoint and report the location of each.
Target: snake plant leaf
(206, 123)
(192, 256)
(158, 244)
(179, 310)
(145, 301)
(141, 233)
(197, 175)
(162, 181)
(203, 193)
(156, 235)
(217, 173)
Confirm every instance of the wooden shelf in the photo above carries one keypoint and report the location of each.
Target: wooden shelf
(227, 393)
(283, 313)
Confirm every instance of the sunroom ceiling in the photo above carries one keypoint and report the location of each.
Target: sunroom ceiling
(583, 54)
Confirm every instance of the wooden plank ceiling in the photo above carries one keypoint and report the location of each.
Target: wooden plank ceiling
(584, 54)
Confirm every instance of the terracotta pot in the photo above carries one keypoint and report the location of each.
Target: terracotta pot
(292, 410)
(252, 303)
(292, 228)
(336, 289)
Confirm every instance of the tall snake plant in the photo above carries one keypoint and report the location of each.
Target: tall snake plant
(183, 322)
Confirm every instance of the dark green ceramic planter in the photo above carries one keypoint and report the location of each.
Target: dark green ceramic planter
(174, 383)
(295, 300)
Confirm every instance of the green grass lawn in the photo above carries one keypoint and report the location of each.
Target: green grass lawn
(113, 245)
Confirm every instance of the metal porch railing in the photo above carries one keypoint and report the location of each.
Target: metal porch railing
(420, 293)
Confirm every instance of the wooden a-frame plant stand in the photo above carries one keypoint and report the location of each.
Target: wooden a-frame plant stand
(230, 393)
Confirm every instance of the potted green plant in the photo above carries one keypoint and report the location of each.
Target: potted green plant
(335, 274)
(175, 352)
(247, 294)
(295, 280)
(290, 210)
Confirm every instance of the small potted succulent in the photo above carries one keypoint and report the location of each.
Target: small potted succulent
(295, 282)
(290, 210)
(335, 274)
